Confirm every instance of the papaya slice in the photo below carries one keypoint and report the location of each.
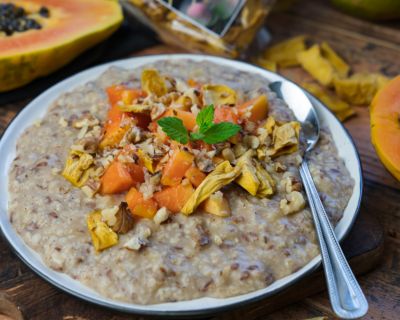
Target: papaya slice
(71, 27)
(385, 125)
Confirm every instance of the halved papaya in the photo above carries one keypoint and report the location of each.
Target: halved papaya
(68, 28)
(385, 125)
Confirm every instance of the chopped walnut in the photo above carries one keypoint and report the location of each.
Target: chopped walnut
(161, 215)
(293, 203)
(139, 240)
(157, 110)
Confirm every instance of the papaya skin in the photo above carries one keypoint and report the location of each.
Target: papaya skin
(370, 9)
(385, 125)
(36, 53)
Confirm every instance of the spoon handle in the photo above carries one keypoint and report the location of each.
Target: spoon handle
(346, 296)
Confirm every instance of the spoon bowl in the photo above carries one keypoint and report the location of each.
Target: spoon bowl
(302, 108)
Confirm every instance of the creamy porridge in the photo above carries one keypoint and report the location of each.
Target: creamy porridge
(158, 255)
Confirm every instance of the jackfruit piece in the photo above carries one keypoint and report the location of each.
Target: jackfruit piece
(217, 205)
(340, 66)
(146, 161)
(222, 175)
(218, 94)
(248, 179)
(270, 125)
(267, 183)
(135, 108)
(360, 88)
(153, 83)
(315, 64)
(266, 64)
(102, 235)
(341, 108)
(78, 167)
(285, 139)
(285, 53)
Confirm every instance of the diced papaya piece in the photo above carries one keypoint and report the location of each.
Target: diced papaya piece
(145, 208)
(195, 176)
(225, 114)
(176, 167)
(119, 177)
(119, 93)
(174, 198)
(188, 118)
(255, 109)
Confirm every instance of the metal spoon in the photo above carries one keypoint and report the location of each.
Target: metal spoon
(346, 296)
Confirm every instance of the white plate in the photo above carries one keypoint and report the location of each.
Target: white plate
(37, 109)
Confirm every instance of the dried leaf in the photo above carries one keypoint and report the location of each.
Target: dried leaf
(124, 220)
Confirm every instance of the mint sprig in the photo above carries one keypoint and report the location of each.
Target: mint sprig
(174, 129)
(209, 131)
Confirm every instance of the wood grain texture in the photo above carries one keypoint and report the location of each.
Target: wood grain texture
(367, 47)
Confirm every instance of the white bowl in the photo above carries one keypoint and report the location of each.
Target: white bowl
(37, 109)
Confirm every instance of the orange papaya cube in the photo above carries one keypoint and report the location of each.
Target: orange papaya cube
(174, 198)
(255, 109)
(188, 118)
(119, 93)
(119, 177)
(144, 208)
(225, 114)
(195, 176)
(176, 167)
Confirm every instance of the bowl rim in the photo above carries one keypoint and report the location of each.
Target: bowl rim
(93, 73)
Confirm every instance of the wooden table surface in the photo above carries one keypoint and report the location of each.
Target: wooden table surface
(367, 47)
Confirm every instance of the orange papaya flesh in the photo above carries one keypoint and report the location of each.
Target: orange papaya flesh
(120, 177)
(225, 114)
(72, 27)
(385, 125)
(174, 198)
(176, 167)
(140, 207)
(188, 118)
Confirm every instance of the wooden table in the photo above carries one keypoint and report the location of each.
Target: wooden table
(367, 47)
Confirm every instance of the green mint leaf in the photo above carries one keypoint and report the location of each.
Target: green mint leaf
(220, 132)
(174, 129)
(196, 135)
(205, 118)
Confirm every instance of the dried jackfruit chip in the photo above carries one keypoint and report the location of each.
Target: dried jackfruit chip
(341, 108)
(285, 53)
(218, 94)
(102, 235)
(340, 66)
(266, 64)
(254, 178)
(222, 175)
(145, 160)
(248, 178)
(285, 139)
(153, 82)
(315, 64)
(78, 167)
(217, 205)
(135, 108)
(360, 88)
(267, 183)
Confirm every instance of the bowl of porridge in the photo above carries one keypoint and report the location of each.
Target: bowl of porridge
(170, 185)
